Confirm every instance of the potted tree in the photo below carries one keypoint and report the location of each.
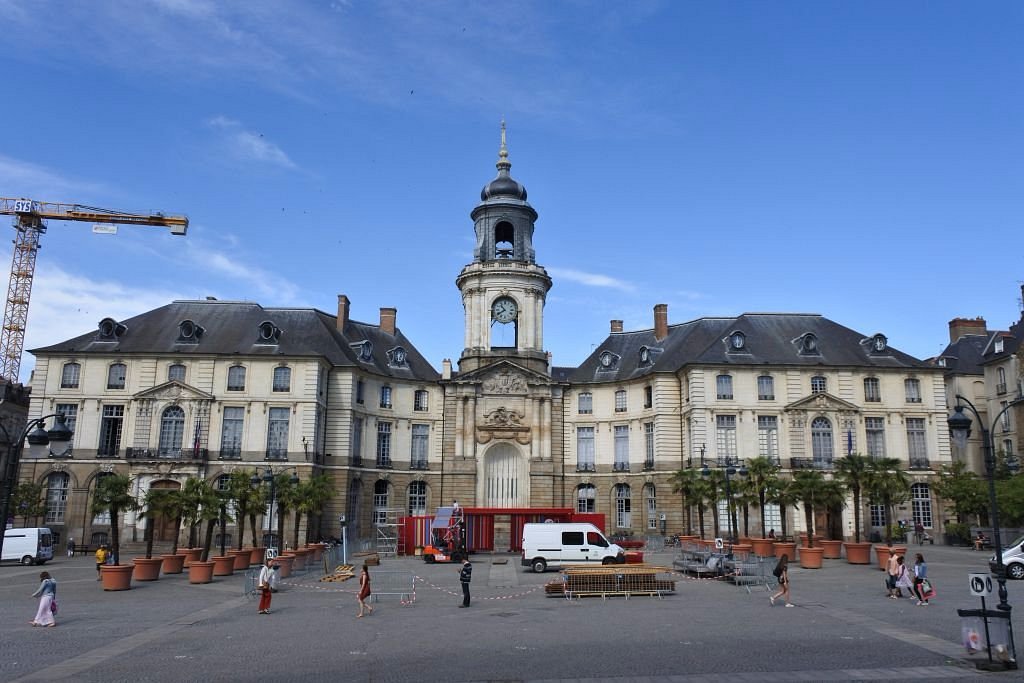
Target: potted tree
(246, 504)
(762, 476)
(171, 506)
(780, 493)
(148, 568)
(317, 491)
(852, 472)
(193, 496)
(113, 495)
(201, 504)
(685, 482)
(888, 486)
(833, 498)
(806, 486)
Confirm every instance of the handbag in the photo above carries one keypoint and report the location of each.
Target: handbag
(927, 589)
(53, 605)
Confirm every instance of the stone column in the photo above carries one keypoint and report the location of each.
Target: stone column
(471, 428)
(460, 407)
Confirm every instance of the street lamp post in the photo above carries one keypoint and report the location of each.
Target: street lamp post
(39, 440)
(960, 430)
(268, 479)
(731, 466)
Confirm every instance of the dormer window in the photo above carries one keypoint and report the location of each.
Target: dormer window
(808, 344)
(364, 350)
(879, 343)
(189, 332)
(648, 355)
(397, 357)
(110, 330)
(269, 333)
(999, 345)
(737, 341)
(607, 361)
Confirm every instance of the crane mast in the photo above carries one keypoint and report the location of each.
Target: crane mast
(29, 226)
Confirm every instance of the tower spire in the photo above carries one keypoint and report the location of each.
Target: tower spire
(504, 165)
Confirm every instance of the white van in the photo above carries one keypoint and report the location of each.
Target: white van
(555, 544)
(28, 546)
(1013, 559)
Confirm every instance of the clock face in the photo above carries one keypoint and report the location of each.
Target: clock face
(504, 310)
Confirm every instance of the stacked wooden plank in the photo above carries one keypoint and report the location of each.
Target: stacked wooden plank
(610, 580)
(343, 572)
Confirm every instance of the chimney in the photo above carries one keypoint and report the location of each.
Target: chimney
(446, 368)
(387, 320)
(616, 326)
(342, 312)
(959, 327)
(660, 321)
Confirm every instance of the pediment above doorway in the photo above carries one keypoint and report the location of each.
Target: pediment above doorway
(505, 378)
(173, 391)
(822, 402)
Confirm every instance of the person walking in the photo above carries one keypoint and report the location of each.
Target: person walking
(892, 573)
(265, 584)
(101, 559)
(781, 572)
(920, 574)
(903, 579)
(71, 547)
(47, 594)
(465, 576)
(364, 591)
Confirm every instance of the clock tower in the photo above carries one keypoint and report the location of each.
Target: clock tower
(503, 289)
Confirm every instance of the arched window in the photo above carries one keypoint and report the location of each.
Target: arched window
(381, 493)
(506, 479)
(821, 441)
(116, 375)
(724, 384)
(504, 240)
(176, 373)
(69, 376)
(652, 506)
(921, 500)
(913, 387)
(57, 497)
(586, 495)
(418, 498)
(620, 401)
(765, 388)
(623, 507)
(172, 431)
(282, 379)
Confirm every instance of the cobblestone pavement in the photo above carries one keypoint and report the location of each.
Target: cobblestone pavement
(842, 629)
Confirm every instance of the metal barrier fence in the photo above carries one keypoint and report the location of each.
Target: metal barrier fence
(393, 582)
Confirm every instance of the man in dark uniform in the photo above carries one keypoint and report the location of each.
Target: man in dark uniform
(465, 576)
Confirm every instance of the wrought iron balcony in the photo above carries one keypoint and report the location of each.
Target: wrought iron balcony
(1001, 388)
(620, 467)
(586, 467)
(180, 454)
(230, 454)
(355, 461)
(277, 454)
(809, 464)
(919, 464)
(648, 464)
(384, 463)
(418, 465)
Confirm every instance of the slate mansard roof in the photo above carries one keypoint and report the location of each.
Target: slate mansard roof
(768, 339)
(234, 328)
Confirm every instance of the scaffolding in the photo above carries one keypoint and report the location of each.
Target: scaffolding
(390, 537)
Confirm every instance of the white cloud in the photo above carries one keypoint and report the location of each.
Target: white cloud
(591, 279)
(24, 179)
(248, 146)
(273, 288)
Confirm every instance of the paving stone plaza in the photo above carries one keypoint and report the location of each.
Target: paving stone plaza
(843, 628)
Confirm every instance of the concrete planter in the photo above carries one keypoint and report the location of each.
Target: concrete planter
(810, 558)
(223, 565)
(117, 577)
(147, 568)
(833, 550)
(200, 572)
(858, 553)
(172, 564)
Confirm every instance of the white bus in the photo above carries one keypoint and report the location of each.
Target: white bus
(28, 546)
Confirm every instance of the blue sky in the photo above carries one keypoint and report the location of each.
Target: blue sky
(859, 160)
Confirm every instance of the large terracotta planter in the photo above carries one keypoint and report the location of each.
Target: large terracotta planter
(810, 558)
(742, 550)
(763, 547)
(302, 557)
(883, 551)
(318, 551)
(192, 555)
(173, 564)
(284, 563)
(200, 572)
(858, 553)
(223, 565)
(833, 550)
(117, 577)
(256, 555)
(241, 558)
(147, 568)
(785, 549)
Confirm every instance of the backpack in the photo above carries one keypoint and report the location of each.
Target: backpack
(777, 572)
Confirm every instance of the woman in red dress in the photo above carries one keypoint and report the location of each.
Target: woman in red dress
(364, 590)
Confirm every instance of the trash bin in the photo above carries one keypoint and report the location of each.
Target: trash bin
(973, 633)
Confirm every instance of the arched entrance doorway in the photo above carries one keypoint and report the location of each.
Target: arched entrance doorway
(163, 526)
(506, 480)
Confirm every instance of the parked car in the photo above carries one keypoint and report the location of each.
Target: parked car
(1013, 559)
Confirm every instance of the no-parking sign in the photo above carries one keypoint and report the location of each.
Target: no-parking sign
(981, 585)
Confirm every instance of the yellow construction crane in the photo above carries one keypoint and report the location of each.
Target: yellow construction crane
(28, 224)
